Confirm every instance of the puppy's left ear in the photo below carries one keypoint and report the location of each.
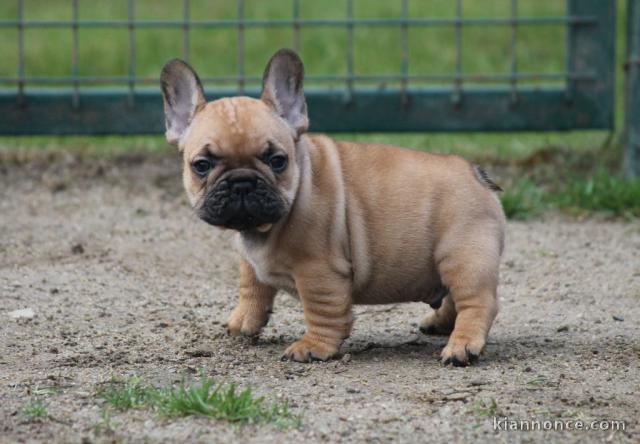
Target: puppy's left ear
(282, 89)
(183, 97)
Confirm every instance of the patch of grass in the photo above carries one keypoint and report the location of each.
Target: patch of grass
(485, 408)
(131, 394)
(538, 382)
(35, 409)
(42, 390)
(205, 398)
(522, 200)
(598, 192)
(601, 191)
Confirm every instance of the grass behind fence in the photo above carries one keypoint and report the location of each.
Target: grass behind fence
(215, 51)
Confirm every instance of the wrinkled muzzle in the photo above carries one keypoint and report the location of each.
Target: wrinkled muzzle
(241, 201)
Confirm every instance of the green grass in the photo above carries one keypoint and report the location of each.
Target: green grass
(522, 200)
(485, 408)
(601, 192)
(204, 398)
(130, 394)
(35, 409)
(214, 51)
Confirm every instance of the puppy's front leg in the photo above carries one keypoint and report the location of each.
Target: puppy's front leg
(326, 300)
(254, 306)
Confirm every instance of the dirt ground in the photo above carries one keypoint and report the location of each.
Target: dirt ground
(123, 280)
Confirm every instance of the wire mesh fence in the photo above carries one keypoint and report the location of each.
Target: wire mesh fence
(396, 65)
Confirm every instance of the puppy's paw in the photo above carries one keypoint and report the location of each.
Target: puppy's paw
(245, 322)
(308, 350)
(462, 350)
(434, 325)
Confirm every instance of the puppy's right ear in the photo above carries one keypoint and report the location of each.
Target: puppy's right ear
(282, 89)
(183, 98)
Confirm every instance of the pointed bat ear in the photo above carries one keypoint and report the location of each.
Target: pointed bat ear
(183, 97)
(282, 89)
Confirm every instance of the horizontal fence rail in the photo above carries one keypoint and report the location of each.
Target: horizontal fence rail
(287, 23)
(580, 96)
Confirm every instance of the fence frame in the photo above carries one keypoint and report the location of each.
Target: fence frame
(587, 102)
(632, 91)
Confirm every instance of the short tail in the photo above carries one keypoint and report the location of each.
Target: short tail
(484, 179)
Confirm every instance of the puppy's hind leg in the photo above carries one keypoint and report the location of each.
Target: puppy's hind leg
(472, 279)
(442, 320)
(254, 307)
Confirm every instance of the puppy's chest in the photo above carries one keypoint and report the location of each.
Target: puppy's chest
(269, 270)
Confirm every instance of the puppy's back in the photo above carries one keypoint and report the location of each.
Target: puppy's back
(400, 205)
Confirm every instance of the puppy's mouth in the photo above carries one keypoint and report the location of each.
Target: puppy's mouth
(242, 204)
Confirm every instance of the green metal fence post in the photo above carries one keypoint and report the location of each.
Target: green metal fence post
(632, 91)
(593, 49)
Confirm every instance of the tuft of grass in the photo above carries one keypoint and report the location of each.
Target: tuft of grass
(131, 394)
(205, 398)
(40, 390)
(538, 382)
(35, 409)
(602, 191)
(522, 200)
(485, 408)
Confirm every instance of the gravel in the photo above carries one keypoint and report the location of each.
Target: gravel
(124, 280)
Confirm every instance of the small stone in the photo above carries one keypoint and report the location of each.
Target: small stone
(24, 313)
(200, 353)
(618, 318)
(77, 249)
(562, 328)
(346, 358)
(458, 396)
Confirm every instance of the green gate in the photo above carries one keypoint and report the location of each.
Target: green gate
(580, 96)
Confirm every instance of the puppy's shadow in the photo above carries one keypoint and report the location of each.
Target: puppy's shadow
(362, 348)
(572, 347)
(415, 346)
(505, 349)
(516, 349)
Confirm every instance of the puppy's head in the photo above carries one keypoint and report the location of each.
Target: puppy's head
(241, 168)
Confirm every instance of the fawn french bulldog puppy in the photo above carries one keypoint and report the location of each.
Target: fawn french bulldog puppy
(335, 223)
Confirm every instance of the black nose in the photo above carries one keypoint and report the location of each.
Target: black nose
(243, 186)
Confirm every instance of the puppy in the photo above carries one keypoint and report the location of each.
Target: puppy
(335, 223)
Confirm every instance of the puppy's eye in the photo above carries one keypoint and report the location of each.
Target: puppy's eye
(278, 163)
(201, 166)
